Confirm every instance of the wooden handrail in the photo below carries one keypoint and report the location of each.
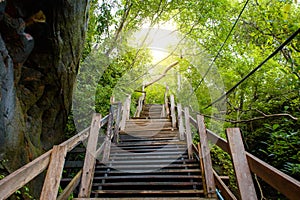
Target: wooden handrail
(23, 175)
(282, 182)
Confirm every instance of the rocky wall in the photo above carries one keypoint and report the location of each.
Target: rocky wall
(40, 49)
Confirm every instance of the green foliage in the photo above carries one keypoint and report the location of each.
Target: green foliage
(155, 94)
(119, 69)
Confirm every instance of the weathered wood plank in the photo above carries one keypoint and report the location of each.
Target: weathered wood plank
(90, 159)
(54, 173)
(70, 187)
(205, 156)
(202, 168)
(180, 122)
(285, 184)
(125, 114)
(77, 139)
(106, 151)
(173, 114)
(188, 132)
(108, 137)
(20, 177)
(226, 193)
(163, 111)
(128, 107)
(241, 167)
(117, 123)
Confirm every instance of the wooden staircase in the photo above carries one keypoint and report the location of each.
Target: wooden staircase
(146, 157)
(149, 161)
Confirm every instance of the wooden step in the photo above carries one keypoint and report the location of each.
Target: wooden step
(150, 128)
(150, 157)
(160, 192)
(142, 162)
(151, 153)
(156, 142)
(148, 146)
(147, 135)
(136, 184)
(147, 120)
(142, 176)
(149, 166)
(160, 171)
(145, 198)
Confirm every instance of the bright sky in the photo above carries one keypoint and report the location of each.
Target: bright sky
(159, 39)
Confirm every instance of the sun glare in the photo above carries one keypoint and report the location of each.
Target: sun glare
(158, 55)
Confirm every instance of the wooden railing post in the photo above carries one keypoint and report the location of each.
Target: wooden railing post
(163, 111)
(241, 167)
(107, 142)
(128, 107)
(173, 115)
(140, 104)
(90, 158)
(180, 122)
(205, 158)
(188, 132)
(117, 123)
(54, 173)
(126, 112)
(166, 102)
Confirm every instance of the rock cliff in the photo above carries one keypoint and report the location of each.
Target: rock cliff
(40, 48)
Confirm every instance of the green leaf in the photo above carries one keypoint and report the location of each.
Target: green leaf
(275, 126)
(286, 108)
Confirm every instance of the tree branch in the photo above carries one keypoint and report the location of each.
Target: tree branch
(255, 118)
(163, 74)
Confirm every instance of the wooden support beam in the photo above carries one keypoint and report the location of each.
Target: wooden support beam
(70, 187)
(188, 132)
(206, 159)
(173, 114)
(180, 122)
(225, 191)
(54, 173)
(241, 167)
(90, 159)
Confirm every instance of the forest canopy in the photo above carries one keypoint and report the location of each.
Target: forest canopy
(202, 49)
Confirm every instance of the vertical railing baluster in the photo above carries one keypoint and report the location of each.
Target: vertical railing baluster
(180, 122)
(188, 132)
(173, 114)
